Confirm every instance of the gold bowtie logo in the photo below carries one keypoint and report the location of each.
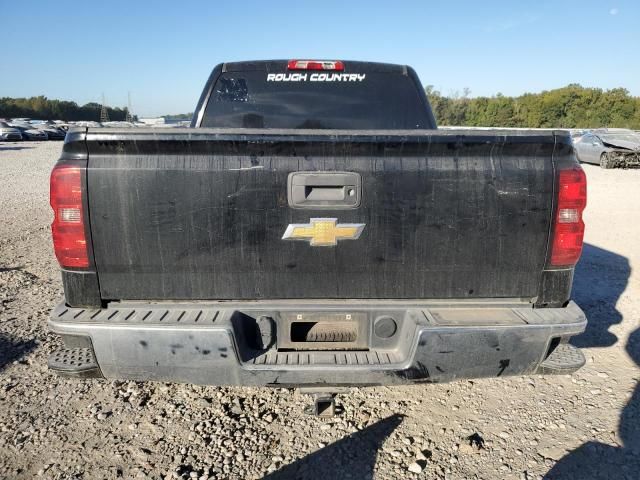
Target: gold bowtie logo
(323, 232)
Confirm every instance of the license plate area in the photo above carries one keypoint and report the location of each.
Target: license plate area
(322, 331)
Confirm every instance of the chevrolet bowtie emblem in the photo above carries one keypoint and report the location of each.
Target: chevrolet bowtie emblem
(323, 232)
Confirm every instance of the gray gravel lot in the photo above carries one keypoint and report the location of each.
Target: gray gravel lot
(582, 426)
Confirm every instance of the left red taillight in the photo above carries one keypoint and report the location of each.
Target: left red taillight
(69, 239)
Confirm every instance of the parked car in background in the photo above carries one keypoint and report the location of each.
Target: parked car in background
(86, 123)
(31, 133)
(609, 148)
(53, 133)
(7, 132)
(577, 134)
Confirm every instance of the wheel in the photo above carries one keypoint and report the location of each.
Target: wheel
(606, 161)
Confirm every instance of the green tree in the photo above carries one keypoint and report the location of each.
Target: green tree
(44, 109)
(572, 106)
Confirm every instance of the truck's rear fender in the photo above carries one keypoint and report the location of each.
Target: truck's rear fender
(81, 285)
(556, 283)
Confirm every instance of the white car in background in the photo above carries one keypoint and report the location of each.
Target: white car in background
(7, 132)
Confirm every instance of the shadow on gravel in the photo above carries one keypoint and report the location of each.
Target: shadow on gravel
(3, 147)
(20, 269)
(601, 277)
(354, 456)
(10, 269)
(11, 350)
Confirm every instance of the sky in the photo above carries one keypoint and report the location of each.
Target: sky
(163, 51)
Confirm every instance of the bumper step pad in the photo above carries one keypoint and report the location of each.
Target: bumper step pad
(563, 360)
(75, 362)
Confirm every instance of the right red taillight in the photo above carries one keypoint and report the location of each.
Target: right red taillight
(69, 239)
(568, 228)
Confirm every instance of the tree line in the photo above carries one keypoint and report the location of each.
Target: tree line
(572, 106)
(42, 108)
(179, 117)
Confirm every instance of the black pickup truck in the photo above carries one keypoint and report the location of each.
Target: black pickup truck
(315, 229)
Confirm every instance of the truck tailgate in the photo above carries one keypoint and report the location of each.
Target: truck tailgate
(200, 214)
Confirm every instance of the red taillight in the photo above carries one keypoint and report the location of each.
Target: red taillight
(69, 241)
(315, 65)
(568, 228)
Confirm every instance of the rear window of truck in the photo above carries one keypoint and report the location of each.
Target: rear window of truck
(316, 100)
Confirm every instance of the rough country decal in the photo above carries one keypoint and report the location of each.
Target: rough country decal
(316, 77)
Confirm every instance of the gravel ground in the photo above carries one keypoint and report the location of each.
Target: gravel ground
(586, 425)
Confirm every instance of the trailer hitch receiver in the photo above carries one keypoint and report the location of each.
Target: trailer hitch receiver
(324, 402)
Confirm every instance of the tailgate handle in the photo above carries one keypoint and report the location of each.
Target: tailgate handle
(324, 190)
